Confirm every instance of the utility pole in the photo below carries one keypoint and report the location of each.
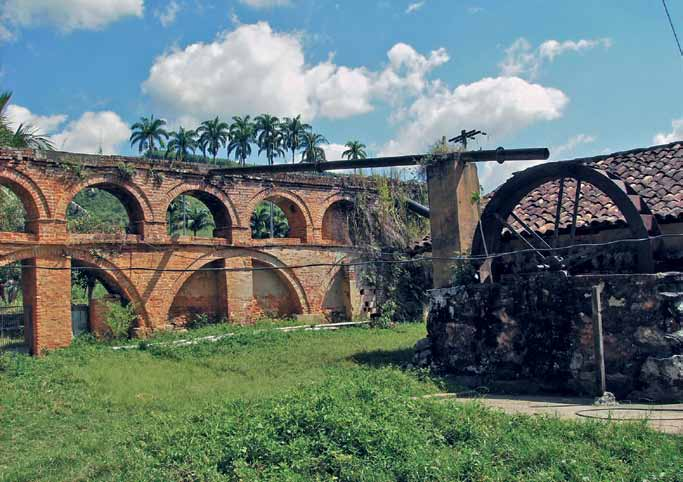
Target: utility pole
(464, 135)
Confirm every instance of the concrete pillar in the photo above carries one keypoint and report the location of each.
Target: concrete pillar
(453, 216)
(47, 298)
(238, 287)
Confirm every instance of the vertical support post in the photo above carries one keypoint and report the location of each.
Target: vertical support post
(240, 290)
(601, 384)
(453, 215)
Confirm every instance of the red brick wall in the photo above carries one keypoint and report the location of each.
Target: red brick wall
(47, 182)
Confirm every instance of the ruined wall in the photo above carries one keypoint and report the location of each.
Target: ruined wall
(151, 269)
(535, 333)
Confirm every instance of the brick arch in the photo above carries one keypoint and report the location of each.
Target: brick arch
(295, 208)
(333, 226)
(132, 196)
(288, 274)
(31, 196)
(219, 203)
(113, 275)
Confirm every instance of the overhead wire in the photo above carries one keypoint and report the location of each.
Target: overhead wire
(673, 27)
(366, 262)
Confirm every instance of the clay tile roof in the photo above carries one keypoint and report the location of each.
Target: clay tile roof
(655, 173)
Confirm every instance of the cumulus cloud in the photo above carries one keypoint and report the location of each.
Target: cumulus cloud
(501, 106)
(568, 148)
(521, 59)
(68, 15)
(333, 152)
(414, 7)
(18, 115)
(168, 15)
(254, 69)
(266, 3)
(676, 133)
(93, 131)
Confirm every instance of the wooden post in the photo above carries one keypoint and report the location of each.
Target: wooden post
(601, 384)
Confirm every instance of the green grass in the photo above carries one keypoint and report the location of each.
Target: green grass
(266, 405)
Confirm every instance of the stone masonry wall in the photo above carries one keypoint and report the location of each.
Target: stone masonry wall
(535, 334)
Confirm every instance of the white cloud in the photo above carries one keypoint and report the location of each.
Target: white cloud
(676, 133)
(414, 7)
(333, 152)
(474, 10)
(168, 15)
(501, 106)
(253, 69)
(521, 59)
(68, 15)
(92, 131)
(266, 3)
(567, 149)
(17, 115)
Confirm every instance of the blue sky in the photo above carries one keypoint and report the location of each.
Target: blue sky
(580, 77)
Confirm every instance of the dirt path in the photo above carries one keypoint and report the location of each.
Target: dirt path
(665, 418)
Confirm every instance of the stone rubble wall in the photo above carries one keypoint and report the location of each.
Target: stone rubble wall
(535, 334)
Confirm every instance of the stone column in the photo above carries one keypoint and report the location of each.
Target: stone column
(46, 285)
(453, 216)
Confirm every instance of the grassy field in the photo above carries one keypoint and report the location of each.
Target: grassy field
(266, 405)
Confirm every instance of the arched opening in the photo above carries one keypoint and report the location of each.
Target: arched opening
(261, 225)
(337, 301)
(199, 214)
(202, 296)
(94, 294)
(336, 225)
(14, 313)
(104, 208)
(288, 221)
(274, 295)
(18, 211)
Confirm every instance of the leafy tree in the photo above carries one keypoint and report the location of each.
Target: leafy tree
(241, 137)
(213, 135)
(26, 136)
(12, 212)
(292, 133)
(181, 143)
(260, 222)
(355, 150)
(269, 137)
(312, 152)
(199, 218)
(147, 133)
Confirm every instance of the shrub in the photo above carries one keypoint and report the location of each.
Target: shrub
(125, 171)
(119, 319)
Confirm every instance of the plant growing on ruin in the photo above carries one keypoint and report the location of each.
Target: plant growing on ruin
(72, 169)
(119, 319)
(156, 176)
(124, 171)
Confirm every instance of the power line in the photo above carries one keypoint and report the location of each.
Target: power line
(361, 263)
(673, 28)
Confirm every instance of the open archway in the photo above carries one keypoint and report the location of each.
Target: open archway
(18, 208)
(104, 208)
(336, 222)
(200, 214)
(285, 213)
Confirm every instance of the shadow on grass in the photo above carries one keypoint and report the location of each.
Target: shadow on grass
(382, 358)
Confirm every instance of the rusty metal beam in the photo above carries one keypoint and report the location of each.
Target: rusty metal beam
(499, 155)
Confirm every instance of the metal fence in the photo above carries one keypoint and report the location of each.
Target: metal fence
(12, 325)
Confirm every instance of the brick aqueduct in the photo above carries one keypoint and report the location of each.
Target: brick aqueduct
(158, 273)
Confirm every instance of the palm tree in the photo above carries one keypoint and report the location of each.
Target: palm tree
(181, 143)
(199, 218)
(213, 134)
(355, 150)
(147, 133)
(260, 220)
(26, 136)
(241, 137)
(292, 133)
(269, 137)
(312, 152)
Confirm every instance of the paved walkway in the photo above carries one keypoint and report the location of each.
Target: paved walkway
(665, 418)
